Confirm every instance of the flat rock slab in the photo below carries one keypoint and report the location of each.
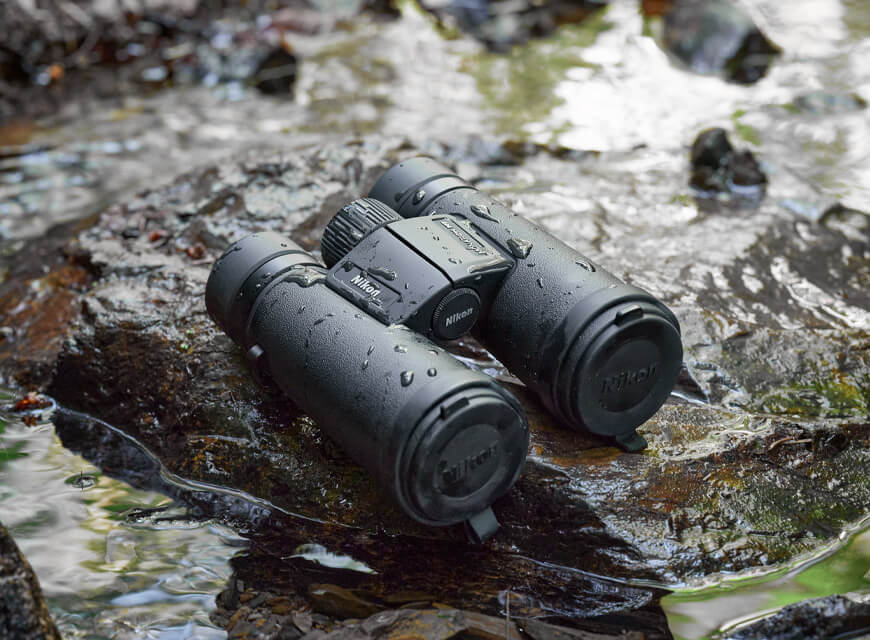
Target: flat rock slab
(761, 458)
(23, 612)
(841, 616)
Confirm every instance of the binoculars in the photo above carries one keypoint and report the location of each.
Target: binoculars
(427, 258)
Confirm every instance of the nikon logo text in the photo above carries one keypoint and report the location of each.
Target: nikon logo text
(366, 285)
(456, 317)
(625, 379)
(456, 472)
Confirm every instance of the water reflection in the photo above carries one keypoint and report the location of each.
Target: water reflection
(606, 85)
(113, 561)
(696, 616)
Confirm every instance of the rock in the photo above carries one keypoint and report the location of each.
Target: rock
(426, 624)
(23, 612)
(340, 603)
(276, 73)
(58, 53)
(838, 616)
(762, 458)
(716, 36)
(503, 23)
(538, 630)
(827, 103)
(719, 168)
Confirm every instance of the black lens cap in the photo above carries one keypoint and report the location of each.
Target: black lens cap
(467, 451)
(622, 369)
(455, 314)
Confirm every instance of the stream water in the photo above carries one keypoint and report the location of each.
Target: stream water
(113, 561)
(602, 85)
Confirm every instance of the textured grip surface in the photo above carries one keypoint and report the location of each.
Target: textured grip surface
(350, 225)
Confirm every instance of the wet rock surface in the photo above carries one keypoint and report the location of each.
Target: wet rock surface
(49, 54)
(716, 36)
(840, 616)
(761, 457)
(23, 612)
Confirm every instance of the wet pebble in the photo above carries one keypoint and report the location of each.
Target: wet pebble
(717, 167)
(716, 36)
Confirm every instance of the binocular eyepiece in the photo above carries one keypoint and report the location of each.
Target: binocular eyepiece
(446, 441)
(429, 257)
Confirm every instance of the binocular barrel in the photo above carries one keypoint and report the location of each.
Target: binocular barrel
(598, 352)
(445, 440)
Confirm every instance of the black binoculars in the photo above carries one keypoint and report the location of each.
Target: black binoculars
(445, 440)
(427, 255)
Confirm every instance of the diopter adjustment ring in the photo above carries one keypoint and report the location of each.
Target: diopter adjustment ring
(351, 224)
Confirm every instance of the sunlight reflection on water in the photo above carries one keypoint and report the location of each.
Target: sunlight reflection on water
(105, 575)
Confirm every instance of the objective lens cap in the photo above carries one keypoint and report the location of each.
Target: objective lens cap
(628, 364)
(470, 451)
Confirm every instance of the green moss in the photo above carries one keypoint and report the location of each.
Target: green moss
(833, 397)
(520, 87)
(744, 131)
(682, 198)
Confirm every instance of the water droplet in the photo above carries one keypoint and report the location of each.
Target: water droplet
(386, 274)
(454, 260)
(520, 248)
(540, 282)
(432, 372)
(284, 244)
(371, 350)
(418, 197)
(482, 212)
(586, 265)
(259, 286)
(433, 352)
(398, 195)
(365, 364)
(301, 309)
(407, 377)
(347, 266)
(400, 348)
(407, 286)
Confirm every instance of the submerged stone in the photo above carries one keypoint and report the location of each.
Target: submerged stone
(23, 612)
(828, 103)
(716, 36)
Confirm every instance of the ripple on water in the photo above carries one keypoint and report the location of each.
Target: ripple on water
(113, 561)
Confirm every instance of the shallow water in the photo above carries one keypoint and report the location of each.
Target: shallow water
(845, 568)
(603, 85)
(113, 561)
